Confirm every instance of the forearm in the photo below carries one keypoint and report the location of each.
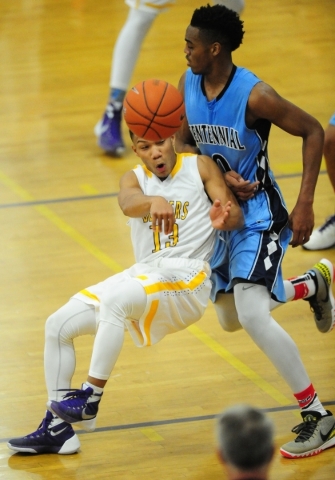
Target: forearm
(235, 219)
(312, 156)
(137, 205)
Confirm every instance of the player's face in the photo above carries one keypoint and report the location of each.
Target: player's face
(159, 157)
(198, 54)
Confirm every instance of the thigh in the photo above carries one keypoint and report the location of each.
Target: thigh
(256, 256)
(177, 296)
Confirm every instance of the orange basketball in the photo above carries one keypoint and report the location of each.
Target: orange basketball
(153, 109)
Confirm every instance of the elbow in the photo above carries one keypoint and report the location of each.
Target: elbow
(235, 222)
(123, 208)
(126, 211)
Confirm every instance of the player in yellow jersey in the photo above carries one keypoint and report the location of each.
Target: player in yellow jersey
(173, 227)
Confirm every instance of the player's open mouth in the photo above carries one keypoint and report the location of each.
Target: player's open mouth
(160, 167)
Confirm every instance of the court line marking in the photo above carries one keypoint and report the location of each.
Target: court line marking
(30, 201)
(175, 421)
(63, 226)
(239, 365)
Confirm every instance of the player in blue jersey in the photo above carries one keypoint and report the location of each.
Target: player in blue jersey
(229, 112)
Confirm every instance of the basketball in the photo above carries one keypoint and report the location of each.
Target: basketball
(153, 110)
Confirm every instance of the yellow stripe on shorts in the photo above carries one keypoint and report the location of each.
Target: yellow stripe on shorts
(148, 320)
(173, 286)
(90, 295)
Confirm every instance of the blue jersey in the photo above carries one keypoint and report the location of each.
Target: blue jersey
(218, 126)
(219, 129)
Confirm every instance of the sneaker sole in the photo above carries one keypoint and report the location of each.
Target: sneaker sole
(311, 453)
(330, 266)
(70, 446)
(314, 249)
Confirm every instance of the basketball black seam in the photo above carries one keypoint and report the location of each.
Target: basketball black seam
(154, 113)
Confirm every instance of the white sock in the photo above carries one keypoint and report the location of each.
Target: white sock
(97, 391)
(304, 286)
(315, 406)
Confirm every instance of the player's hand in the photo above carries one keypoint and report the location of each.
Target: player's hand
(162, 215)
(243, 189)
(219, 214)
(301, 222)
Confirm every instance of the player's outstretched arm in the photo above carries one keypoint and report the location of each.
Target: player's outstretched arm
(225, 212)
(134, 203)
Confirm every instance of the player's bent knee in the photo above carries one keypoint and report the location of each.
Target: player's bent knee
(53, 325)
(230, 325)
(226, 312)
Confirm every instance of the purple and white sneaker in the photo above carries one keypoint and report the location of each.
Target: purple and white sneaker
(108, 130)
(79, 407)
(52, 436)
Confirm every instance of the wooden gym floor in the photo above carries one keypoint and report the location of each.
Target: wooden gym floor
(61, 230)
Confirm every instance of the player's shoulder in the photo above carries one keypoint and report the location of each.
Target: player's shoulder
(130, 177)
(205, 165)
(263, 96)
(204, 160)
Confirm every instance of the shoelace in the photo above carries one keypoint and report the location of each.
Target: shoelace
(330, 221)
(305, 430)
(43, 427)
(76, 394)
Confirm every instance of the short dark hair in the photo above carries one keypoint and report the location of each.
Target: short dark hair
(245, 437)
(219, 24)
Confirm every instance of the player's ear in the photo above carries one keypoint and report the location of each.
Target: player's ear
(134, 148)
(133, 138)
(215, 49)
(173, 143)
